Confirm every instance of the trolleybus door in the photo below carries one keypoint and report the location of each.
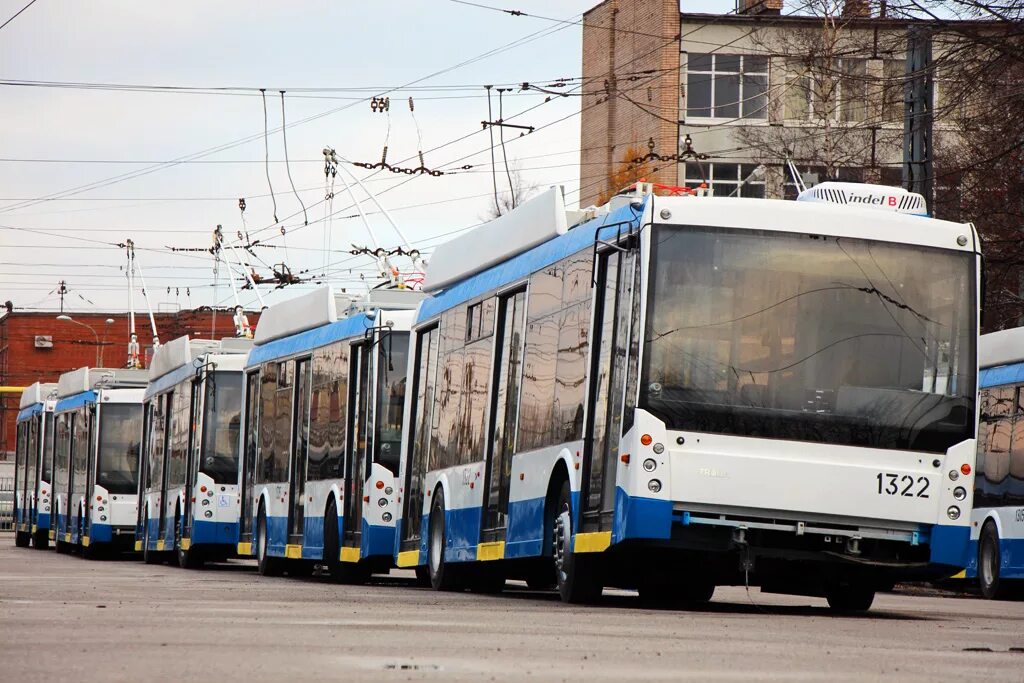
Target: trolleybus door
(247, 477)
(609, 347)
(192, 460)
(423, 384)
(507, 375)
(91, 461)
(300, 450)
(360, 428)
(168, 408)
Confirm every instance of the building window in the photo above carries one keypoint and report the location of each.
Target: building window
(723, 179)
(818, 90)
(726, 86)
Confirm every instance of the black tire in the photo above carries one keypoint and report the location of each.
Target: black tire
(344, 572)
(576, 575)
(989, 559)
(266, 565)
(148, 556)
(686, 592)
(850, 597)
(443, 576)
(187, 559)
(41, 539)
(21, 539)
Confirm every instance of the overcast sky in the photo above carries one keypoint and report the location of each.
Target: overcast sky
(324, 45)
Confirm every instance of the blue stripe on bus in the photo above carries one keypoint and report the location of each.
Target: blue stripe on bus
(376, 540)
(524, 536)
(949, 545)
(639, 517)
(204, 532)
(1004, 374)
(529, 261)
(1011, 559)
(43, 520)
(29, 411)
(162, 384)
(100, 533)
(462, 534)
(349, 328)
(75, 401)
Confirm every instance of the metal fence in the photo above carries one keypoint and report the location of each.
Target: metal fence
(6, 503)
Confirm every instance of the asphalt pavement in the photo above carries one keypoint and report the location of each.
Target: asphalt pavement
(67, 618)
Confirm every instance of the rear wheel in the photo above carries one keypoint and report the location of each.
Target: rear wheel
(576, 575)
(41, 539)
(267, 565)
(149, 556)
(989, 559)
(21, 539)
(192, 558)
(850, 596)
(442, 574)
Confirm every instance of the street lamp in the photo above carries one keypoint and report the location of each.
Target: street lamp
(68, 318)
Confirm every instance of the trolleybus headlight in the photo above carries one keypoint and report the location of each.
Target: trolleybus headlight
(650, 465)
(659, 448)
(386, 517)
(389, 491)
(103, 518)
(206, 501)
(953, 512)
(100, 508)
(208, 514)
(654, 485)
(959, 493)
(953, 475)
(383, 502)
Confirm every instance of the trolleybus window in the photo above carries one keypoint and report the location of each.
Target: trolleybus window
(47, 466)
(328, 413)
(999, 480)
(221, 425)
(811, 338)
(392, 367)
(120, 436)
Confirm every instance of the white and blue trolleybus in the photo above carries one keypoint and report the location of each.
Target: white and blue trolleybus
(324, 395)
(98, 432)
(997, 521)
(675, 393)
(188, 488)
(34, 466)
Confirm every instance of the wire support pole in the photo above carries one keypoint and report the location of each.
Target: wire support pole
(490, 130)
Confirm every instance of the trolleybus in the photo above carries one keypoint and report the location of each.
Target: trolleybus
(997, 521)
(685, 392)
(98, 430)
(324, 394)
(188, 485)
(33, 466)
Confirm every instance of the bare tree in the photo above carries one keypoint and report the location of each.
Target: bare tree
(520, 190)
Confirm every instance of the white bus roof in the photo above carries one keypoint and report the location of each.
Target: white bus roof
(87, 379)
(1001, 348)
(183, 351)
(324, 306)
(37, 393)
(532, 223)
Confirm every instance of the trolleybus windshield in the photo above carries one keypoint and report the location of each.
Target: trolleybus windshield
(120, 437)
(221, 424)
(810, 338)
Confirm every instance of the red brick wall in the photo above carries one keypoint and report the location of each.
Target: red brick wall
(21, 363)
(620, 38)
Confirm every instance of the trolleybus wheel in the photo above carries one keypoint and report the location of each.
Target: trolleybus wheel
(41, 539)
(21, 539)
(575, 575)
(989, 559)
(149, 556)
(187, 559)
(267, 565)
(850, 596)
(443, 576)
(345, 572)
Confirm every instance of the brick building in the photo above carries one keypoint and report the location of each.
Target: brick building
(752, 88)
(36, 347)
